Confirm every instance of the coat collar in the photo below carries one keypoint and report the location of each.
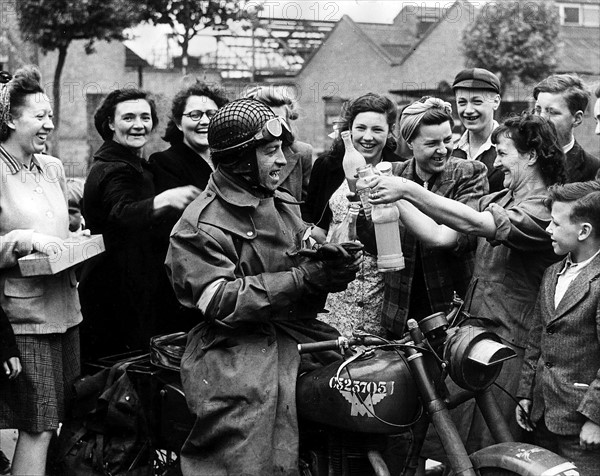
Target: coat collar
(579, 289)
(13, 165)
(110, 151)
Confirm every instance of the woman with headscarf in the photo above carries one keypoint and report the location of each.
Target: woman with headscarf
(431, 276)
(513, 247)
(44, 311)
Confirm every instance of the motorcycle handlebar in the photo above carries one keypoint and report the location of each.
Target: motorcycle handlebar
(345, 342)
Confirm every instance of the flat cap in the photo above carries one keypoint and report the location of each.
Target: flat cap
(477, 78)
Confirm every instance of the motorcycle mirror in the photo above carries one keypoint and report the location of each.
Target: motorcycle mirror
(488, 352)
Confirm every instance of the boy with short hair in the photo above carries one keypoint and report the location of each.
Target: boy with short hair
(563, 99)
(560, 380)
(477, 94)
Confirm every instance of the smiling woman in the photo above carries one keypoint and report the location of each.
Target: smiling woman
(119, 290)
(43, 310)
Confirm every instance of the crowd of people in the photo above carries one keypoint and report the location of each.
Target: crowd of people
(207, 237)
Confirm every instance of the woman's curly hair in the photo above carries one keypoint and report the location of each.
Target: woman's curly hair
(173, 134)
(531, 132)
(369, 102)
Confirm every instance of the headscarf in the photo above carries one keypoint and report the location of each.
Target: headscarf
(414, 113)
(4, 102)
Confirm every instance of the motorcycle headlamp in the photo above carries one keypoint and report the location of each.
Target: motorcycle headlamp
(475, 357)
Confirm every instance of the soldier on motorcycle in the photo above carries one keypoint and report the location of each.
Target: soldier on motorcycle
(234, 256)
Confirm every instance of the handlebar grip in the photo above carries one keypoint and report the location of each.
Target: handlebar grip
(318, 346)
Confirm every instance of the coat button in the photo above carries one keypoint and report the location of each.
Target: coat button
(50, 214)
(549, 365)
(38, 189)
(249, 233)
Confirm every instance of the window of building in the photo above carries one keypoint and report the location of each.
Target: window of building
(579, 14)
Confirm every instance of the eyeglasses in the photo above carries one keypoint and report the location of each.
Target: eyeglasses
(197, 114)
(276, 128)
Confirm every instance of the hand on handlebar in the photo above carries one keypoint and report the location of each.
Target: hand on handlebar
(522, 413)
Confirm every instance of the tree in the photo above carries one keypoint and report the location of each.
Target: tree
(188, 17)
(515, 40)
(55, 24)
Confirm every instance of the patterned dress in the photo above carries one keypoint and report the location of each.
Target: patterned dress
(358, 308)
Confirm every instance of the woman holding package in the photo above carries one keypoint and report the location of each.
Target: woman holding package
(118, 288)
(44, 311)
(513, 248)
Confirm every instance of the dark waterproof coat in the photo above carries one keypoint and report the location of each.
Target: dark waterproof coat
(118, 289)
(235, 256)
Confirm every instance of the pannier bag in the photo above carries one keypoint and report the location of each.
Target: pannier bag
(107, 433)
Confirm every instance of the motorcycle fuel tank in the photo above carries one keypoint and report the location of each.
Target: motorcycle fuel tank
(373, 394)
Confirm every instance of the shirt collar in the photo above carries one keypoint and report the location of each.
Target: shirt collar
(569, 263)
(463, 142)
(570, 145)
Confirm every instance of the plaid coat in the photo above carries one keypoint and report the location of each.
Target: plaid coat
(445, 271)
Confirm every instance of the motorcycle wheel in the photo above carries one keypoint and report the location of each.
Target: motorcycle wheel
(496, 472)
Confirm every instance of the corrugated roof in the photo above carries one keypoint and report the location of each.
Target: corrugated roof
(579, 50)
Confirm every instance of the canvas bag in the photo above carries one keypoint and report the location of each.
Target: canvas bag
(108, 433)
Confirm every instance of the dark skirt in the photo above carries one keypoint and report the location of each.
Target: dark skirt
(36, 400)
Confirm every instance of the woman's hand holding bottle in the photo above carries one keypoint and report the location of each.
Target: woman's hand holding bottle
(387, 189)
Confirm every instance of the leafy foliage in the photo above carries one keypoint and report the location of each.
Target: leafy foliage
(514, 39)
(53, 24)
(188, 17)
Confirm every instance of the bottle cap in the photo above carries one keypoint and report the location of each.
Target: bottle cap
(384, 168)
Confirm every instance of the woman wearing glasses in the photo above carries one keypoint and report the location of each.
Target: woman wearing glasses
(186, 162)
(118, 290)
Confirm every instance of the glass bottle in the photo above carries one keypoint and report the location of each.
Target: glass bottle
(387, 231)
(362, 189)
(345, 231)
(352, 160)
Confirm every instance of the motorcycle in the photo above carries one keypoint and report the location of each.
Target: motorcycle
(349, 409)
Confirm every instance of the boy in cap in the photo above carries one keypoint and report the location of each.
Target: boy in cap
(234, 255)
(477, 94)
(562, 99)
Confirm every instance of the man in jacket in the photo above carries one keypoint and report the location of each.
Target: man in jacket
(560, 381)
(563, 99)
(234, 255)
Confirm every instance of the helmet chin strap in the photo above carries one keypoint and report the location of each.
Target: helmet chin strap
(245, 172)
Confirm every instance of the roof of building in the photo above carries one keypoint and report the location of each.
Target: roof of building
(579, 50)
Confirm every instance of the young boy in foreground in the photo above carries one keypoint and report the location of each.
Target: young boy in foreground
(559, 389)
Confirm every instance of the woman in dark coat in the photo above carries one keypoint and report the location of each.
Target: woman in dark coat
(118, 289)
(186, 162)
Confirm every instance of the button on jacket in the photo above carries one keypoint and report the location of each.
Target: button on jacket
(34, 201)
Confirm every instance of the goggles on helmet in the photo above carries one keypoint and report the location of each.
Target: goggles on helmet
(274, 129)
